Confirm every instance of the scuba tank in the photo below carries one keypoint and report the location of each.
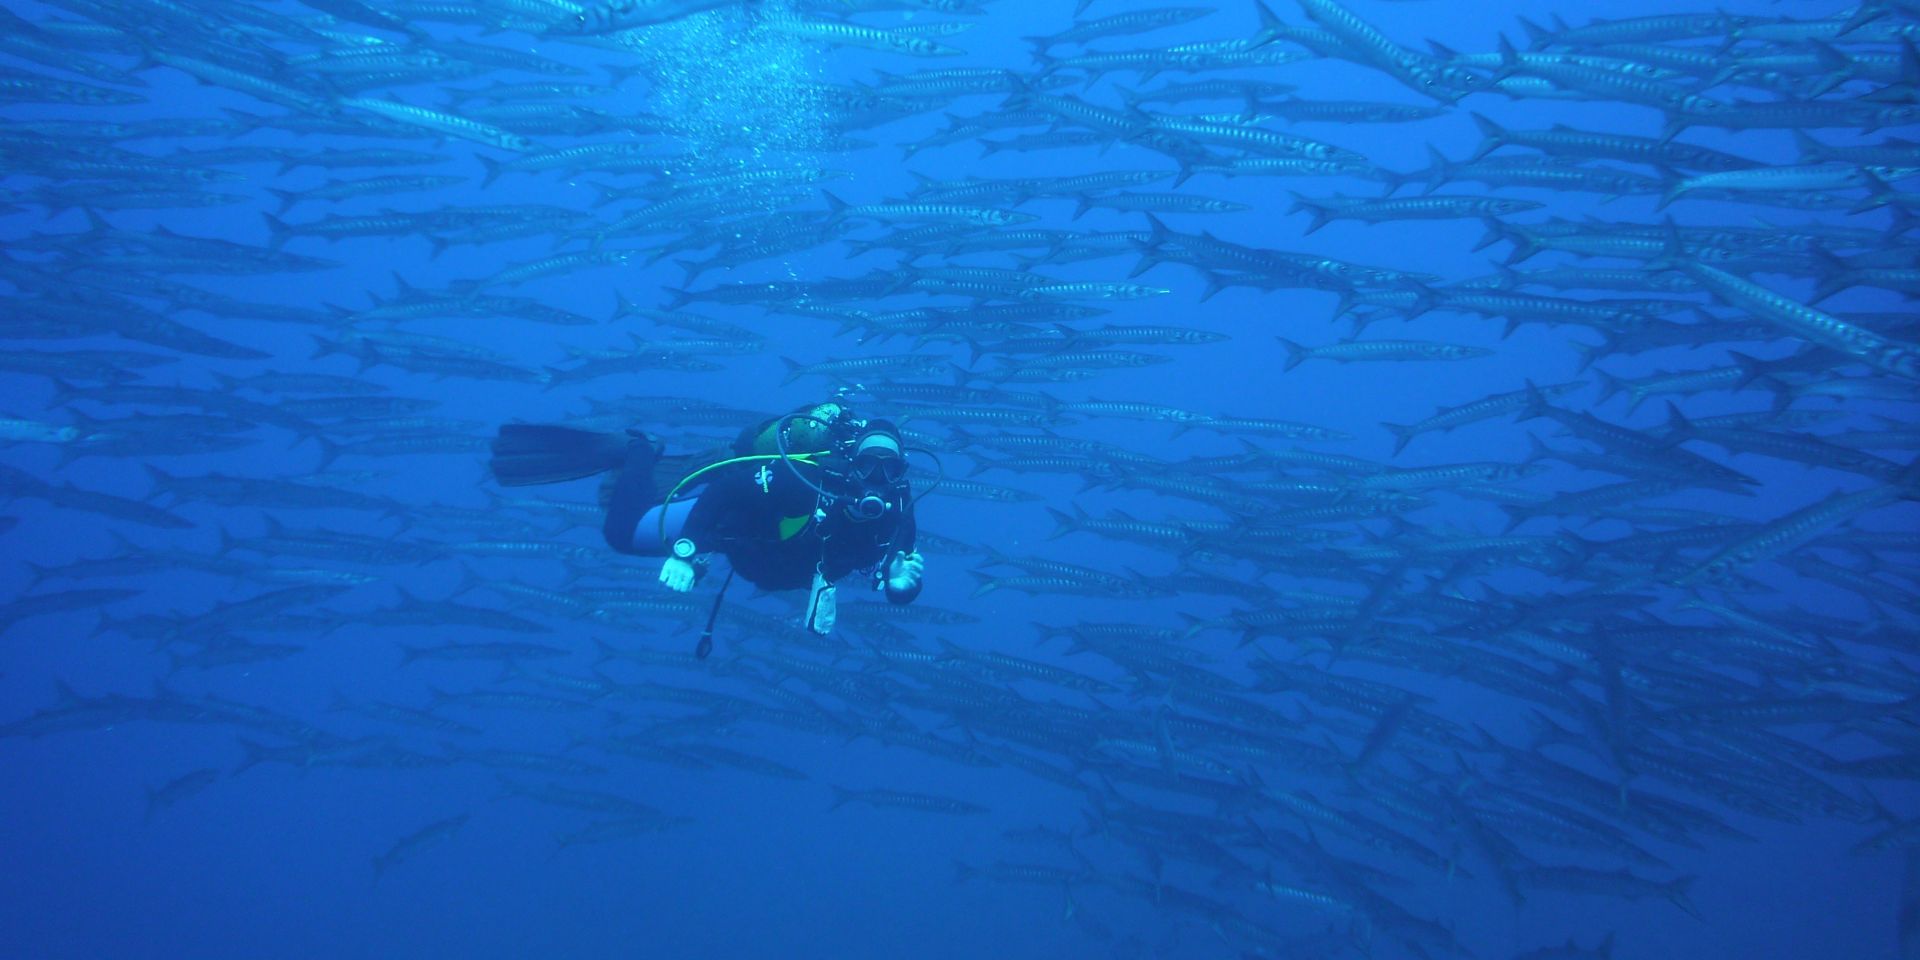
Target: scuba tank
(810, 429)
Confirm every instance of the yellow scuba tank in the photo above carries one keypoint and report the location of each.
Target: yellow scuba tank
(809, 429)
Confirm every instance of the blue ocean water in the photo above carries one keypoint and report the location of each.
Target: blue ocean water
(440, 851)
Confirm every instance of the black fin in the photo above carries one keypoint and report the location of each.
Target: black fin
(529, 453)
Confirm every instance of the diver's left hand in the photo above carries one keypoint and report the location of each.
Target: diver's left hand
(678, 575)
(904, 571)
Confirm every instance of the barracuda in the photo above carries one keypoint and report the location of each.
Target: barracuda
(443, 123)
(1079, 113)
(1654, 29)
(1528, 172)
(1256, 139)
(253, 86)
(1693, 381)
(854, 35)
(1802, 525)
(1565, 141)
(1137, 21)
(1820, 176)
(1896, 357)
(1389, 350)
(1425, 75)
(1147, 63)
(1498, 405)
(1793, 115)
(1622, 80)
(615, 16)
(1326, 209)
(940, 212)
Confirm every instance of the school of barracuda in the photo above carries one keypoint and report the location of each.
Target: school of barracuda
(1238, 727)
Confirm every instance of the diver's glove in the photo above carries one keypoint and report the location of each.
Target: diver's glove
(677, 575)
(904, 571)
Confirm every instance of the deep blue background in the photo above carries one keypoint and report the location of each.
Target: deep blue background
(275, 862)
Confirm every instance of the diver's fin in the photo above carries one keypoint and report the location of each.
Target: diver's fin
(532, 453)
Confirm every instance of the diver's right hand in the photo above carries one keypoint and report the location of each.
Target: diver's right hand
(677, 575)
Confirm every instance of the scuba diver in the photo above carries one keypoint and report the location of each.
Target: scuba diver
(799, 501)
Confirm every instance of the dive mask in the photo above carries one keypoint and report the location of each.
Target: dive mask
(877, 479)
(880, 470)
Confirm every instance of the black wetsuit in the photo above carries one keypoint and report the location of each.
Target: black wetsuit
(761, 517)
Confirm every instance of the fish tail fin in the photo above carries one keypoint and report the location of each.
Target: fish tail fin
(622, 307)
(1516, 514)
(257, 753)
(1677, 422)
(1908, 479)
(1838, 66)
(1215, 283)
(1393, 179)
(287, 200)
(1879, 193)
(1677, 893)
(1157, 234)
(1811, 150)
(1020, 93)
(1537, 450)
(1296, 353)
(1402, 435)
(1538, 37)
(987, 583)
(1536, 403)
(1492, 136)
(1751, 368)
(1611, 385)
(1271, 26)
(329, 452)
(491, 170)
(1496, 232)
(836, 207)
(1676, 123)
(65, 390)
(1319, 211)
(1674, 250)
(278, 232)
(1441, 169)
(1063, 524)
